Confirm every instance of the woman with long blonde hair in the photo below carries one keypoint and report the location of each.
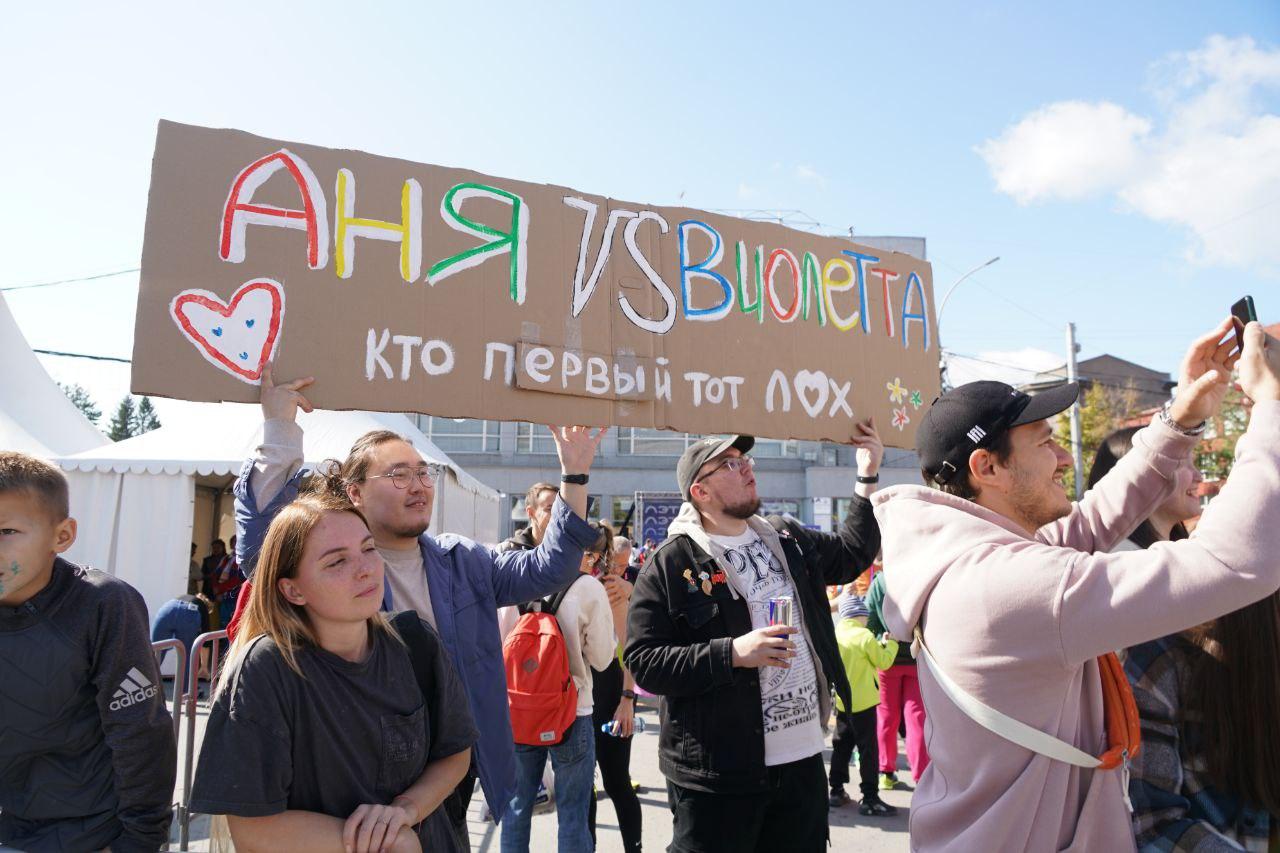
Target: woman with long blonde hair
(331, 729)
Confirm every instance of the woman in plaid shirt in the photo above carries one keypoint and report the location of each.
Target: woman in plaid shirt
(1208, 775)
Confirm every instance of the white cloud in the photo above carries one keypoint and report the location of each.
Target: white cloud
(1210, 168)
(746, 192)
(1070, 150)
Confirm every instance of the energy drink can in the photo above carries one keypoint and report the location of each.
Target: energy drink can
(780, 610)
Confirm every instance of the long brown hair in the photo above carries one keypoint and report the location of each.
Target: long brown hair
(269, 612)
(1233, 695)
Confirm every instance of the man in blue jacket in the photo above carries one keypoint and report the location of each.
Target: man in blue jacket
(453, 583)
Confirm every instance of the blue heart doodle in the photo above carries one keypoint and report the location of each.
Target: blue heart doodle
(244, 356)
(217, 331)
(248, 323)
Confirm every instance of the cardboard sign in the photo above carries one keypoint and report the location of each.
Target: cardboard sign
(407, 287)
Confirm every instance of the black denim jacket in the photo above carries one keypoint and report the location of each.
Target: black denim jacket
(679, 647)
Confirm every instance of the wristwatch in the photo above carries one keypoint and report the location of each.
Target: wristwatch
(629, 694)
(576, 479)
(874, 478)
(1176, 427)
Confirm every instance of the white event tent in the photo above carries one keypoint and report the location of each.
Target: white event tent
(136, 500)
(35, 415)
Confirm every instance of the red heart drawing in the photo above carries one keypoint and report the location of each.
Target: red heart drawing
(225, 333)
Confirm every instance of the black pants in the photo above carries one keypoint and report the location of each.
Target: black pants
(856, 730)
(613, 756)
(790, 816)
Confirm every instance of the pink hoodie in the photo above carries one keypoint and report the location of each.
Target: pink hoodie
(1019, 622)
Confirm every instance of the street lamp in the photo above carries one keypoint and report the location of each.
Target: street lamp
(942, 361)
(943, 306)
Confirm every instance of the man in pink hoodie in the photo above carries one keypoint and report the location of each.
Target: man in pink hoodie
(1017, 595)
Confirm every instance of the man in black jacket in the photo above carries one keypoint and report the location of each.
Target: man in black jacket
(744, 703)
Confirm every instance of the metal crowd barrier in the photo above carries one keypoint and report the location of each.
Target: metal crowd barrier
(180, 672)
(188, 709)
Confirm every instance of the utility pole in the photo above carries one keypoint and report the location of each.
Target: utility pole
(1073, 376)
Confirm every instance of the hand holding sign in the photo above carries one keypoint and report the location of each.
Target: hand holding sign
(870, 449)
(281, 402)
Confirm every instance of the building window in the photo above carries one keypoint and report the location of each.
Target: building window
(622, 506)
(534, 438)
(772, 448)
(638, 441)
(462, 435)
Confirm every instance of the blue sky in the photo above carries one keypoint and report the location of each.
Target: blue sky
(1123, 160)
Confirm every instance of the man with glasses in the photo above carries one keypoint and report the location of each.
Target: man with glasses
(745, 701)
(454, 584)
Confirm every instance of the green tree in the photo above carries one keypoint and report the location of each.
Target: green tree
(1103, 409)
(1217, 452)
(122, 423)
(145, 418)
(80, 397)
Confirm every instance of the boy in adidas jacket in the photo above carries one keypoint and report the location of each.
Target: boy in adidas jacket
(87, 752)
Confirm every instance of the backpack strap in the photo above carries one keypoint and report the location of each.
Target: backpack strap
(415, 637)
(409, 626)
(1119, 709)
(552, 603)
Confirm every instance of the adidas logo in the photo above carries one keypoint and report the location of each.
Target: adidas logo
(976, 434)
(135, 688)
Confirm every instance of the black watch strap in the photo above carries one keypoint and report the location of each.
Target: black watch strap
(629, 694)
(576, 479)
(874, 478)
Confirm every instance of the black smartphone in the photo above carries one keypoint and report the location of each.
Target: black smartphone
(1243, 312)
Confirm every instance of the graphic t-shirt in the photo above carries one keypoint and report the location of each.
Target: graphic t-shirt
(789, 697)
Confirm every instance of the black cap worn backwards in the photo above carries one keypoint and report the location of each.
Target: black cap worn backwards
(974, 415)
(697, 454)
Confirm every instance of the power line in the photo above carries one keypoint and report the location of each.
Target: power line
(69, 280)
(82, 355)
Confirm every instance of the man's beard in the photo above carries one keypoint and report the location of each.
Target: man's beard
(743, 510)
(1037, 506)
(412, 531)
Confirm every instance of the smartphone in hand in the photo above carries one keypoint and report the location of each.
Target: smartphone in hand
(1243, 312)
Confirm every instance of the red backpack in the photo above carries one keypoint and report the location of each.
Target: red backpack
(540, 690)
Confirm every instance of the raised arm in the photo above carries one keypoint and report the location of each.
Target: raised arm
(1134, 488)
(1112, 601)
(520, 576)
(269, 480)
(842, 556)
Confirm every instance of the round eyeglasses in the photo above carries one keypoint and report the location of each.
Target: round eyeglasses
(401, 477)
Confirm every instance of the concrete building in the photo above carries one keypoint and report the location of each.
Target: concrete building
(811, 480)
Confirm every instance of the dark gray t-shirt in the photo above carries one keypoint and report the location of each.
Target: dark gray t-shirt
(345, 734)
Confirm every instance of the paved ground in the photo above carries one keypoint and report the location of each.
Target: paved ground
(849, 830)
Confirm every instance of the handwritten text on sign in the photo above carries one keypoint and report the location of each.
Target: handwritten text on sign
(425, 288)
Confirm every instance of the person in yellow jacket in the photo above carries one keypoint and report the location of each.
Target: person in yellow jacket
(862, 654)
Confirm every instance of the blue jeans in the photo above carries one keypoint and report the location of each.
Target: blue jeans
(573, 761)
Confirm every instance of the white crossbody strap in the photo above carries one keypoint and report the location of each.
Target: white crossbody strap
(1007, 727)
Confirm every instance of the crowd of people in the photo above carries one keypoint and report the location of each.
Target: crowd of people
(1095, 676)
